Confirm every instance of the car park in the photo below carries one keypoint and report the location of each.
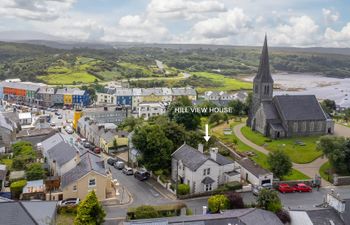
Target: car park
(111, 161)
(301, 187)
(69, 201)
(128, 171)
(119, 165)
(285, 188)
(141, 175)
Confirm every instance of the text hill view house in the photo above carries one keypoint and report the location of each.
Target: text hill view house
(284, 115)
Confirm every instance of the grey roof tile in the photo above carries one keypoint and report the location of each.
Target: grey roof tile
(299, 107)
(14, 213)
(43, 212)
(190, 157)
(252, 167)
(270, 111)
(207, 180)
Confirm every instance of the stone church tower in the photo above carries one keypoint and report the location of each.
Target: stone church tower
(262, 84)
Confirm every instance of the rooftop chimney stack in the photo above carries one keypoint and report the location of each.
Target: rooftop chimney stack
(213, 153)
(77, 157)
(200, 147)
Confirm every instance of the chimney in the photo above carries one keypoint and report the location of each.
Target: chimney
(200, 147)
(77, 157)
(213, 153)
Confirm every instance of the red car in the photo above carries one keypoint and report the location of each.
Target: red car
(302, 188)
(285, 188)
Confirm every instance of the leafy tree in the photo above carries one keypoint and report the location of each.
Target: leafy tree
(155, 147)
(235, 200)
(35, 171)
(190, 120)
(17, 187)
(328, 106)
(217, 203)
(284, 216)
(280, 163)
(90, 211)
(238, 107)
(130, 123)
(248, 102)
(207, 104)
(269, 200)
(146, 212)
(183, 189)
(337, 150)
(215, 118)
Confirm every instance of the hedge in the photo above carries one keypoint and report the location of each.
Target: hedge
(183, 189)
(17, 188)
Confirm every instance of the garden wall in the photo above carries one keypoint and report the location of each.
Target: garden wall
(341, 180)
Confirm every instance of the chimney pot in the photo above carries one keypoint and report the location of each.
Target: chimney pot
(200, 147)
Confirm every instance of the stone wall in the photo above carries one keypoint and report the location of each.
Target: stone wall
(341, 180)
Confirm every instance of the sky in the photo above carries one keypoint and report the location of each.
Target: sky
(295, 23)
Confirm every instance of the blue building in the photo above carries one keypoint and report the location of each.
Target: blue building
(80, 97)
(124, 100)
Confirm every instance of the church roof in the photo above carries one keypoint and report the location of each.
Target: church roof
(299, 107)
(264, 74)
(270, 111)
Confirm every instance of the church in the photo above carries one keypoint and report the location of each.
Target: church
(283, 116)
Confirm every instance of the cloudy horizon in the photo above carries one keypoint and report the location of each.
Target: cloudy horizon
(296, 23)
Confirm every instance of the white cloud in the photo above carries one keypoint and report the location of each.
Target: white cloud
(183, 9)
(338, 38)
(226, 24)
(330, 16)
(44, 10)
(298, 31)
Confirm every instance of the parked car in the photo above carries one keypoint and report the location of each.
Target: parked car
(69, 201)
(141, 175)
(97, 150)
(86, 145)
(57, 113)
(111, 161)
(285, 188)
(128, 171)
(60, 117)
(52, 124)
(119, 165)
(301, 187)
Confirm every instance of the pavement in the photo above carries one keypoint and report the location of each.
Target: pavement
(309, 169)
(340, 130)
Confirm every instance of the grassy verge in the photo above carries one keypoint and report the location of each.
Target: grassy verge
(225, 83)
(64, 219)
(259, 158)
(298, 153)
(325, 172)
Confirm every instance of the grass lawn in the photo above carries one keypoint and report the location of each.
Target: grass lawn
(325, 170)
(298, 154)
(226, 83)
(68, 78)
(259, 158)
(64, 219)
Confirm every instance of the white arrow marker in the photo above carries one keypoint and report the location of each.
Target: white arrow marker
(206, 137)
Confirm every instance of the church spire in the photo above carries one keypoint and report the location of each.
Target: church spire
(264, 74)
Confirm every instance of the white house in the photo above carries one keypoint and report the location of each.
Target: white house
(105, 98)
(149, 109)
(25, 118)
(202, 172)
(253, 173)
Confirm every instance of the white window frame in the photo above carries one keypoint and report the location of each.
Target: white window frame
(208, 187)
(92, 185)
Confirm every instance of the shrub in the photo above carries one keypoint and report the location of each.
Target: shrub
(68, 209)
(284, 216)
(17, 188)
(189, 212)
(224, 152)
(235, 200)
(234, 185)
(35, 171)
(269, 200)
(183, 189)
(145, 212)
(90, 211)
(217, 203)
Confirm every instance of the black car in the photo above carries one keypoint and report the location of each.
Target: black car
(141, 175)
(111, 161)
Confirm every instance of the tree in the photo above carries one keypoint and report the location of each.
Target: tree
(215, 118)
(146, 212)
(280, 163)
(284, 216)
(268, 199)
(238, 107)
(248, 102)
(190, 120)
(35, 171)
(183, 189)
(235, 200)
(90, 211)
(337, 150)
(217, 203)
(328, 106)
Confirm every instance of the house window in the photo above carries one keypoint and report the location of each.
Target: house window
(206, 171)
(74, 187)
(312, 126)
(92, 182)
(208, 187)
(295, 127)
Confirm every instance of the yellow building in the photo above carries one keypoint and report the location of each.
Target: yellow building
(110, 138)
(67, 99)
(77, 115)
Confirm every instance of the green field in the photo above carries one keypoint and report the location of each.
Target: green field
(224, 83)
(298, 154)
(259, 158)
(63, 73)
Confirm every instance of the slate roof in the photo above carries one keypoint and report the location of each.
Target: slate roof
(208, 180)
(248, 216)
(7, 123)
(88, 162)
(70, 91)
(222, 160)
(22, 86)
(190, 157)
(14, 213)
(41, 211)
(184, 91)
(270, 111)
(299, 107)
(324, 216)
(252, 167)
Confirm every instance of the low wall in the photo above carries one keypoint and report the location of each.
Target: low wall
(341, 180)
